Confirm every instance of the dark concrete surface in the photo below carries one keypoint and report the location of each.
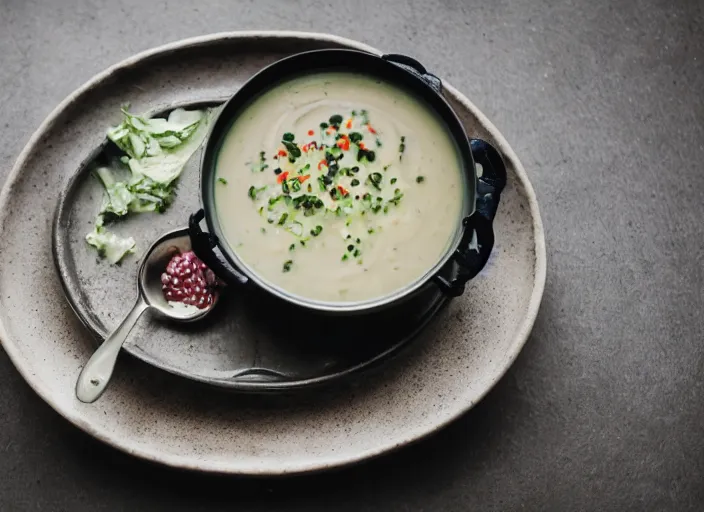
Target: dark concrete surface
(604, 408)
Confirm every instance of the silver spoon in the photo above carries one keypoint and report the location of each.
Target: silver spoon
(96, 374)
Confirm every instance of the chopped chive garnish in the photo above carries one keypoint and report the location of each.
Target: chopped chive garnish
(366, 153)
(386, 209)
(393, 180)
(420, 179)
(356, 253)
(287, 265)
(375, 180)
(345, 257)
(397, 197)
(355, 137)
(316, 231)
(282, 219)
(401, 148)
(223, 181)
(350, 248)
(277, 171)
(253, 191)
(263, 230)
(354, 182)
(291, 247)
(370, 231)
(358, 241)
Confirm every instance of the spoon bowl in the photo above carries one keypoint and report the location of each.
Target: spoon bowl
(95, 376)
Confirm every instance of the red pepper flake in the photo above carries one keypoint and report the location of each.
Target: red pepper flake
(311, 133)
(348, 124)
(343, 143)
(302, 179)
(321, 163)
(362, 146)
(331, 129)
(343, 190)
(281, 177)
(282, 153)
(371, 130)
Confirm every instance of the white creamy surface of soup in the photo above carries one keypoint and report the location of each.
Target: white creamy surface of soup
(338, 187)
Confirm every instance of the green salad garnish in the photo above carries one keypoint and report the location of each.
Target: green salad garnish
(156, 151)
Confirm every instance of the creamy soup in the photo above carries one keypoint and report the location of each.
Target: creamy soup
(339, 187)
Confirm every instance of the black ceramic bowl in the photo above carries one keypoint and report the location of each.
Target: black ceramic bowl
(474, 238)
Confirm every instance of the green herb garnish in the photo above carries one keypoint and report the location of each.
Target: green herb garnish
(287, 265)
(393, 180)
(282, 219)
(397, 197)
(401, 148)
(420, 179)
(354, 182)
(367, 154)
(355, 137)
(375, 180)
(253, 191)
(223, 181)
(317, 230)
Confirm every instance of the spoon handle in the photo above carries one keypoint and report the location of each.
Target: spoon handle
(96, 374)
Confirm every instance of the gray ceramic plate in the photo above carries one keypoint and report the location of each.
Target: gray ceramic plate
(153, 415)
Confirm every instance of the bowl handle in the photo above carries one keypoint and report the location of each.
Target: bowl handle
(477, 240)
(413, 66)
(203, 244)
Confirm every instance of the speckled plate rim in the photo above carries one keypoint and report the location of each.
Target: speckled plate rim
(193, 462)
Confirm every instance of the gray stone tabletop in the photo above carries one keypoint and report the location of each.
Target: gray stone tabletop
(604, 408)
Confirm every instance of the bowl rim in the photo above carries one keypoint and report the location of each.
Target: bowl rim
(251, 89)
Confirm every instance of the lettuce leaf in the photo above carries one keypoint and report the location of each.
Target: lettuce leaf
(156, 151)
(109, 245)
